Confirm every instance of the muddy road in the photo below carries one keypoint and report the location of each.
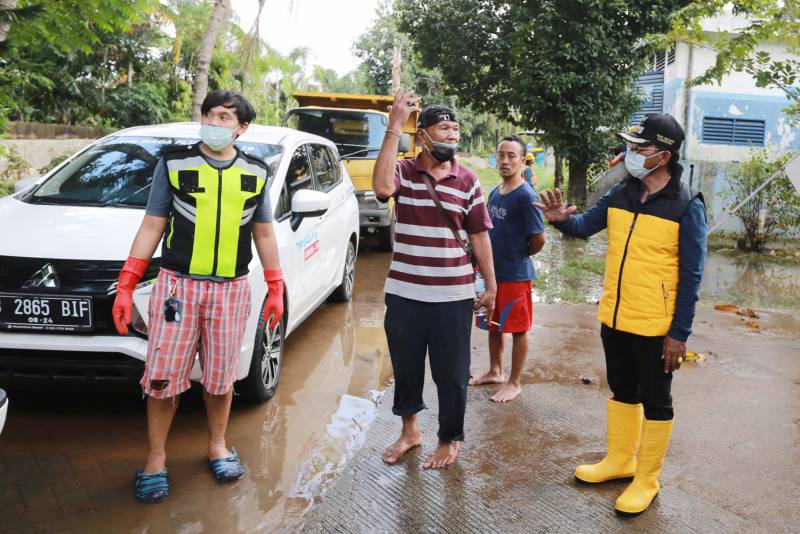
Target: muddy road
(67, 461)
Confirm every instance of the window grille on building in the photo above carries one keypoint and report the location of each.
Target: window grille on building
(651, 87)
(729, 131)
(659, 60)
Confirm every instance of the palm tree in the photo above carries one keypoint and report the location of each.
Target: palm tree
(252, 42)
(219, 15)
(8, 13)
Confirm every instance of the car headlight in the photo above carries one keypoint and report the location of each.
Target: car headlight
(138, 323)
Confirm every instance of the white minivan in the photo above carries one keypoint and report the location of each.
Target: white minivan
(66, 236)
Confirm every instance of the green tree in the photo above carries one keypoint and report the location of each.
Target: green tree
(375, 47)
(328, 80)
(764, 21)
(776, 207)
(77, 25)
(565, 67)
(46, 46)
(216, 22)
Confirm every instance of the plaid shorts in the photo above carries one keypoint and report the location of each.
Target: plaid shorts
(212, 322)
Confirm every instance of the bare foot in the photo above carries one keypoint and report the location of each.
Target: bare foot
(444, 455)
(506, 393)
(394, 452)
(488, 378)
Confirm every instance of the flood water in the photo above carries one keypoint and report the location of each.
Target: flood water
(67, 461)
(742, 280)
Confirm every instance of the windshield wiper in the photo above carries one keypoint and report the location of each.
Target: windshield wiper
(122, 202)
(364, 149)
(61, 201)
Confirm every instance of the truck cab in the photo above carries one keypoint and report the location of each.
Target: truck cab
(356, 124)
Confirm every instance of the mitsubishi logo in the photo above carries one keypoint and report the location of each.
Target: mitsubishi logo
(44, 277)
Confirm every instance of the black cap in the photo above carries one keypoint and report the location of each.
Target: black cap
(434, 114)
(658, 129)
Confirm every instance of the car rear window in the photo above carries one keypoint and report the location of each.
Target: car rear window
(118, 171)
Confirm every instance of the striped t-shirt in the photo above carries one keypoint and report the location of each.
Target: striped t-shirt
(428, 263)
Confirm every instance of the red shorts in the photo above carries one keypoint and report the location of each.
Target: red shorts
(513, 309)
(213, 318)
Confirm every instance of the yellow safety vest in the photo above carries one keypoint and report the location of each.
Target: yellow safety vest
(210, 226)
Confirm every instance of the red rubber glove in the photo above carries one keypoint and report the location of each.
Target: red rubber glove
(274, 305)
(129, 276)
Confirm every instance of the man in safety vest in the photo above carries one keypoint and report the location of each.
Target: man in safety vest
(654, 264)
(208, 203)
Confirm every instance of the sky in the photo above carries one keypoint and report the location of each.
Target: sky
(327, 27)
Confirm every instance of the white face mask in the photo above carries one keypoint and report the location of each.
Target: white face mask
(634, 162)
(216, 137)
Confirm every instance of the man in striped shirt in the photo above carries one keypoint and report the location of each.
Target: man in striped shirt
(430, 292)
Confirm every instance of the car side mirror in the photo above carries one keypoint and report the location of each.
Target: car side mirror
(25, 183)
(308, 203)
(405, 143)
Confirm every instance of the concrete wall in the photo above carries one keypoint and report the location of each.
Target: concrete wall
(737, 96)
(39, 152)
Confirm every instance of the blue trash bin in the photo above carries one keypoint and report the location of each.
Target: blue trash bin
(493, 161)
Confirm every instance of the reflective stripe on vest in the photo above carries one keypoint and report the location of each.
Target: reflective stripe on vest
(212, 212)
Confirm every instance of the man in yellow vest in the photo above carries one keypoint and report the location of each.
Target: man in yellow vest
(208, 203)
(654, 264)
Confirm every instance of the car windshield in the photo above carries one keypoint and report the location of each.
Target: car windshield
(357, 134)
(118, 171)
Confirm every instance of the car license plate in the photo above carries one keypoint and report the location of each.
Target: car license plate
(45, 313)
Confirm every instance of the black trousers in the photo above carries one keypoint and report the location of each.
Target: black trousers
(635, 372)
(442, 330)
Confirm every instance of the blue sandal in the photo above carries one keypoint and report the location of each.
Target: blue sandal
(151, 487)
(227, 469)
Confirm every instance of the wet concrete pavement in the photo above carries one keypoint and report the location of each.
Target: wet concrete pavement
(67, 461)
(732, 465)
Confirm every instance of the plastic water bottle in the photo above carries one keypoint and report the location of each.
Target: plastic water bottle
(480, 289)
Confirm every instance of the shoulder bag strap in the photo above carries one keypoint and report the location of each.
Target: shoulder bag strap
(450, 224)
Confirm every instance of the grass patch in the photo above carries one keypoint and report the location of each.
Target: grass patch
(571, 281)
(490, 178)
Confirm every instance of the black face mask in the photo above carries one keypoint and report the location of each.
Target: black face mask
(441, 152)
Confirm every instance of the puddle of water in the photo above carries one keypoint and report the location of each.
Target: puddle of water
(570, 270)
(344, 434)
(748, 282)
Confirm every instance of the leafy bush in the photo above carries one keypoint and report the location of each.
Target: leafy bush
(15, 167)
(53, 163)
(776, 207)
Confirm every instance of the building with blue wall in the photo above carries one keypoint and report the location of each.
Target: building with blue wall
(723, 122)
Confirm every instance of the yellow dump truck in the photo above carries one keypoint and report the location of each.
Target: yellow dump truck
(357, 124)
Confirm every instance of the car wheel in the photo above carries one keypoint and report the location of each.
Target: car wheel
(344, 292)
(266, 363)
(386, 237)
